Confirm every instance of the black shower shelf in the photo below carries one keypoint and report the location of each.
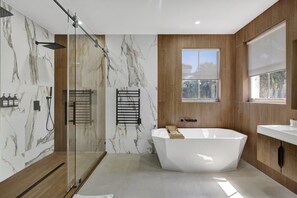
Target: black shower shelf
(128, 107)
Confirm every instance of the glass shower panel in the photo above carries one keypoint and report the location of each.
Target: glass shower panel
(70, 104)
(89, 81)
(85, 103)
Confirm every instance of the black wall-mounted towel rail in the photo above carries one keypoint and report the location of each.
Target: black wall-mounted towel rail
(128, 107)
(80, 106)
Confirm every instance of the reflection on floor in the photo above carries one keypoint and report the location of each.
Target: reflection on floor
(83, 162)
(134, 176)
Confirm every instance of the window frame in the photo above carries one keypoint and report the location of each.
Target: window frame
(281, 101)
(218, 81)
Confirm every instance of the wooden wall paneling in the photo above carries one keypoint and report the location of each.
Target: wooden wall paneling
(60, 85)
(249, 115)
(293, 56)
(294, 76)
(242, 81)
(170, 107)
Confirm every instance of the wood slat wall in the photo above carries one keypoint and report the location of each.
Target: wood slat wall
(170, 107)
(60, 85)
(249, 115)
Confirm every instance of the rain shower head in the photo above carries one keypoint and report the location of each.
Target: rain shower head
(4, 13)
(53, 46)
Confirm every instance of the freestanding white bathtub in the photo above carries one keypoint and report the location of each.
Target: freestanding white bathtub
(202, 150)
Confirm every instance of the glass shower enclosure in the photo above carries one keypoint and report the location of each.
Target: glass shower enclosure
(85, 102)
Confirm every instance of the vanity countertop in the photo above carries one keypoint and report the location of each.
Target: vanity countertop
(284, 133)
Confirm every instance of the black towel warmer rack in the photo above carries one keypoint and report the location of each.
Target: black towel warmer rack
(128, 107)
(80, 107)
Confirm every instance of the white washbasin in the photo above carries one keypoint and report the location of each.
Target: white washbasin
(284, 133)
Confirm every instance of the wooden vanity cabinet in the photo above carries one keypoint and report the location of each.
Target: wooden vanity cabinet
(267, 151)
(268, 154)
(290, 161)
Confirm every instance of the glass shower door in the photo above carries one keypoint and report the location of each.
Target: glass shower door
(88, 80)
(70, 105)
(85, 108)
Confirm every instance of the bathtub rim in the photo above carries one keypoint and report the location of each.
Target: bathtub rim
(240, 135)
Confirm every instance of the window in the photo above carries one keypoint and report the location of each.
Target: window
(200, 75)
(267, 66)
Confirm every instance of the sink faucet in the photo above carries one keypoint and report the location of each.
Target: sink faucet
(189, 120)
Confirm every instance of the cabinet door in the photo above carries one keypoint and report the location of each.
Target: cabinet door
(267, 151)
(290, 166)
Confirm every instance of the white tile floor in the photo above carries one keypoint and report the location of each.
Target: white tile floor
(141, 176)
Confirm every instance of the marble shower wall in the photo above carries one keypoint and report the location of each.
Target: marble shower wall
(131, 64)
(28, 71)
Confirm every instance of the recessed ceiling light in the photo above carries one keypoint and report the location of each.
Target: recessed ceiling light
(197, 22)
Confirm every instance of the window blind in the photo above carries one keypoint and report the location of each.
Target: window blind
(267, 52)
(202, 64)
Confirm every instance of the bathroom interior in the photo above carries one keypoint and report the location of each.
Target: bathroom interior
(151, 98)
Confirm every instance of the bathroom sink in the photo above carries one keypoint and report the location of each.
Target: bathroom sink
(291, 131)
(284, 133)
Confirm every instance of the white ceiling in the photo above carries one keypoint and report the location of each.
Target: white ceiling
(146, 16)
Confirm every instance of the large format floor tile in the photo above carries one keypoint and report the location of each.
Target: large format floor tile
(141, 176)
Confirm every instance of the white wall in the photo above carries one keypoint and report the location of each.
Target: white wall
(28, 71)
(132, 64)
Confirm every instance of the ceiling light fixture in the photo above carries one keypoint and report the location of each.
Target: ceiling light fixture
(197, 22)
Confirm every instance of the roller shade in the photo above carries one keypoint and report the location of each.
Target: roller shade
(267, 53)
(202, 64)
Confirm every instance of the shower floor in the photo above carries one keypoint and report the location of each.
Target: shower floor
(54, 183)
(134, 176)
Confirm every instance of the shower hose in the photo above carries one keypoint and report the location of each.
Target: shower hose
(49, 119)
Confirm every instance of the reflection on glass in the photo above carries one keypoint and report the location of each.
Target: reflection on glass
(190, 89)
(200, 74)
(269, 85)
(85, 75)
(207, 89)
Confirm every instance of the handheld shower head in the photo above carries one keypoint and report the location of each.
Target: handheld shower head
(51, 91)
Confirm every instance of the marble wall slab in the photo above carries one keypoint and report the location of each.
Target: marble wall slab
(28, 71)
(131, 64)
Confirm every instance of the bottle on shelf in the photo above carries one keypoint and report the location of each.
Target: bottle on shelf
(15, 101)
(4, 101)
(10, 100)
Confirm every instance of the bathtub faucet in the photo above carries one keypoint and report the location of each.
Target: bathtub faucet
(189, 120)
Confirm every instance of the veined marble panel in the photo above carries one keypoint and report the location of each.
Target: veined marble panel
(28, 71)
(131, 64)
